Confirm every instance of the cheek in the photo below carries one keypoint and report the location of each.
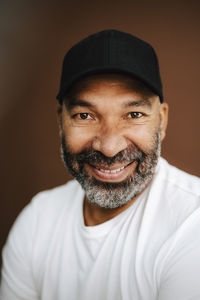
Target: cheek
(77, 138)
(143, 137)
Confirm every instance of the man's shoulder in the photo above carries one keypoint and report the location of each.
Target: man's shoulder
(55, 199)
(179, 180)
(61, 191)
(174, 194)
(46, 209)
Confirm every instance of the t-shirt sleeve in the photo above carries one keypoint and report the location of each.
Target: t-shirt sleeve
(180, 278)
(17, 282)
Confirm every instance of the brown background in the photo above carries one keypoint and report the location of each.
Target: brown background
(34, 36)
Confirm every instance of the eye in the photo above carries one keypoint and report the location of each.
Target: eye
(82, 116)
(135, 115)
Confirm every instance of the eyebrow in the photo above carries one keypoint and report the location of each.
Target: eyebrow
(83, 103)
(139, 103)
(77, 102)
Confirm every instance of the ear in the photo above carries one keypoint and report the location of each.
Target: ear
(59, 110)
(164, 109)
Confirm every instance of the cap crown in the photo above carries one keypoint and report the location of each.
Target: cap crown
(111, 51)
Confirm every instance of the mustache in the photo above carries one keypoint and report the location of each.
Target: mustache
(91, 156)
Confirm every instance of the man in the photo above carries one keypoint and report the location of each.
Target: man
(128, 226)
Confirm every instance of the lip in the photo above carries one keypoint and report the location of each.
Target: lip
(111, 168)
(114, 173)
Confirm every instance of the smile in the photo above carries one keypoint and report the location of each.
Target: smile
(115, 173)
(110, 171)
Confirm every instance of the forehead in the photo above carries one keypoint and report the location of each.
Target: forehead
(118, 81)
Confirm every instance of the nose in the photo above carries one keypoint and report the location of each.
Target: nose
(109, 141)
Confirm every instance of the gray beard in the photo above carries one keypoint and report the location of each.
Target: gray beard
(111, 194)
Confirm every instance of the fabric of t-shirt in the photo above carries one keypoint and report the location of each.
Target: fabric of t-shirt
(150, 251)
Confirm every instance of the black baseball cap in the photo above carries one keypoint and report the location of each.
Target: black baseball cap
(111, 51)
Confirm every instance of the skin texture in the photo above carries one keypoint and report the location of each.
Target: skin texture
(109, 114)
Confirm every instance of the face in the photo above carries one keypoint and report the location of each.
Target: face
(111, 130)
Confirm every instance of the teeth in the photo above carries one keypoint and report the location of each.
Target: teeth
(110, 171)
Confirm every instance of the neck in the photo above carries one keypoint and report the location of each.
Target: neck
(95, 215)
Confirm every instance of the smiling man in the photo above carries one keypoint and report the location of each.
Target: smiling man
(128, 226)
(112, 150)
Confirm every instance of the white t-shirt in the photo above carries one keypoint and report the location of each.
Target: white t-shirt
(151, 251)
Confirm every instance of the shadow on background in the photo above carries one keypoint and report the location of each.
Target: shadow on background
(35, 35)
